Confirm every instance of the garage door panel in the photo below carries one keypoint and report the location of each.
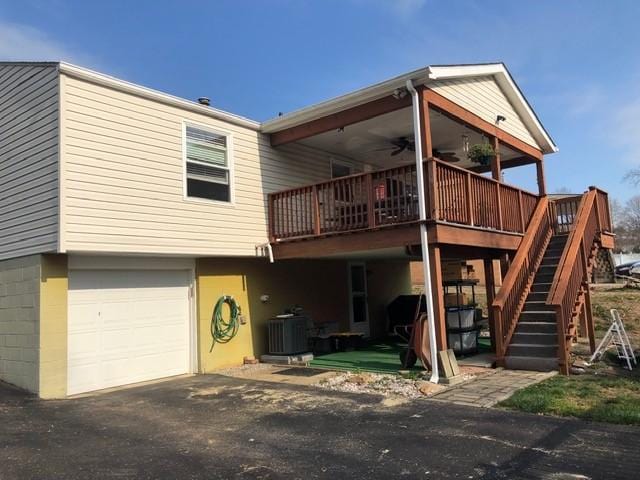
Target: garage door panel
(126, 326)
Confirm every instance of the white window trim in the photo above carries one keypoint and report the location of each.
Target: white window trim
(230, 164)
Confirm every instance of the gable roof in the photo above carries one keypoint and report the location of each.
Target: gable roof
(424, 76)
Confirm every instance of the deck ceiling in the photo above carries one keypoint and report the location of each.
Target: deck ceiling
(369, 141)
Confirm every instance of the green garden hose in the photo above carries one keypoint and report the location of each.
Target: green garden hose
(223, 330)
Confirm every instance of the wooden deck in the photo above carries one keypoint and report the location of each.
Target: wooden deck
(324, 217)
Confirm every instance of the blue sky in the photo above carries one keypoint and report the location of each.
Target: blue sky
(578, 62)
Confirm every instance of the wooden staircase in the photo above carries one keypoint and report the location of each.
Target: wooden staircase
(534, 344)
(544, 301)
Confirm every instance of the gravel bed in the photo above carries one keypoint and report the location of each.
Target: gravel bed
(381, 384)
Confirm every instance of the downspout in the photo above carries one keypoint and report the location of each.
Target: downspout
(268, 248)
(424, 239)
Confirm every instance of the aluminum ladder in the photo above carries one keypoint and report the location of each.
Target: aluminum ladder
(616, 335)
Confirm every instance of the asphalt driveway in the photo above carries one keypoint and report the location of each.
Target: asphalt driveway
(219, 427)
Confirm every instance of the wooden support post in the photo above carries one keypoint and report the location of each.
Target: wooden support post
(440, 319)
(425, 127)
(542, 186)
(582, 323)
(496, 168)
(505, 263)
(433, 212)
(490, 283)
(496, 174)
(431, 194)
(469, 202)
(316, 210)
(523, 226)
(589, 319)
(371, 199)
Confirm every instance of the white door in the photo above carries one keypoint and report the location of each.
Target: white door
(358, 302)
(126, 326)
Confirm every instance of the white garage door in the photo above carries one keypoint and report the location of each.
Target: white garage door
(126, 326)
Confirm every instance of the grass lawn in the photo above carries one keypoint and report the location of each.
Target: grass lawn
(601, 398)
(606, 392)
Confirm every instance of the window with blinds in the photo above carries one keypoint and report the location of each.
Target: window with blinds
(207, 157)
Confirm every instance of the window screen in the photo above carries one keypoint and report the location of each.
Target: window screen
(207, 165)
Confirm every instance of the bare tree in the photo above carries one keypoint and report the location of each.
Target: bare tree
(633, 176)
(627, 224)
(631, 216)
(617, 212)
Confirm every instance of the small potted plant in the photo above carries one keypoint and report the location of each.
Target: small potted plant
(481, 153)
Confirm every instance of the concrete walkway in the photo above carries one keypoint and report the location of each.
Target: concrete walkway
(491, 388)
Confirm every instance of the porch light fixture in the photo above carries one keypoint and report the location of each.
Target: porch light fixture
(500, 118)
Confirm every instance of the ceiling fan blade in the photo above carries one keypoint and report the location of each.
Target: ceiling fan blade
(397, 152)
(383, 149)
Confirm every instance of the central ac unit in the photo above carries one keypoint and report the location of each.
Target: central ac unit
(288, 335)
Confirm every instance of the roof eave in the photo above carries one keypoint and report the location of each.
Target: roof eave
(128, 87)
(349, 100)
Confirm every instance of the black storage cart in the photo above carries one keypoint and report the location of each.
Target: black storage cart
(462, 327)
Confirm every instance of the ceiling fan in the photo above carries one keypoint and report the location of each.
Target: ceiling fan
(399, 145)
(446, 156)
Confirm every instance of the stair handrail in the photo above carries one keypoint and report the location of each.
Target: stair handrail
(572, 273)
(516, 285)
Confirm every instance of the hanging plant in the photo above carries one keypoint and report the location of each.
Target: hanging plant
(481, 153)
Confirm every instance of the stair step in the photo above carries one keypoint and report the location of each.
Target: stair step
(533, 350)
(538, 364)
(550, 260)
(535, 338)
(559, 239)
(538, 316)
(536, 327)
(543, 277)
(540, 287)
(537, 297)
(547, 270)
(537, 306)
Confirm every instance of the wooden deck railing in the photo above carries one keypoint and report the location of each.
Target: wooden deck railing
(389, 197)
(563, 212)
(471, 199)
(510, 300)
(571, 280)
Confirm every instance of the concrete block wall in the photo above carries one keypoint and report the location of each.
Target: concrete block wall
(19, 321)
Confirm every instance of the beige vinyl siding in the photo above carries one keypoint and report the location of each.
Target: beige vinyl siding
(124, 178)
(28, 159)
(483, 96)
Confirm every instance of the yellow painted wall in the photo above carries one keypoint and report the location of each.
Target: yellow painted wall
(319, 286)
(54, 285)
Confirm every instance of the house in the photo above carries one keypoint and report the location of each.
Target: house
(127, 213)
